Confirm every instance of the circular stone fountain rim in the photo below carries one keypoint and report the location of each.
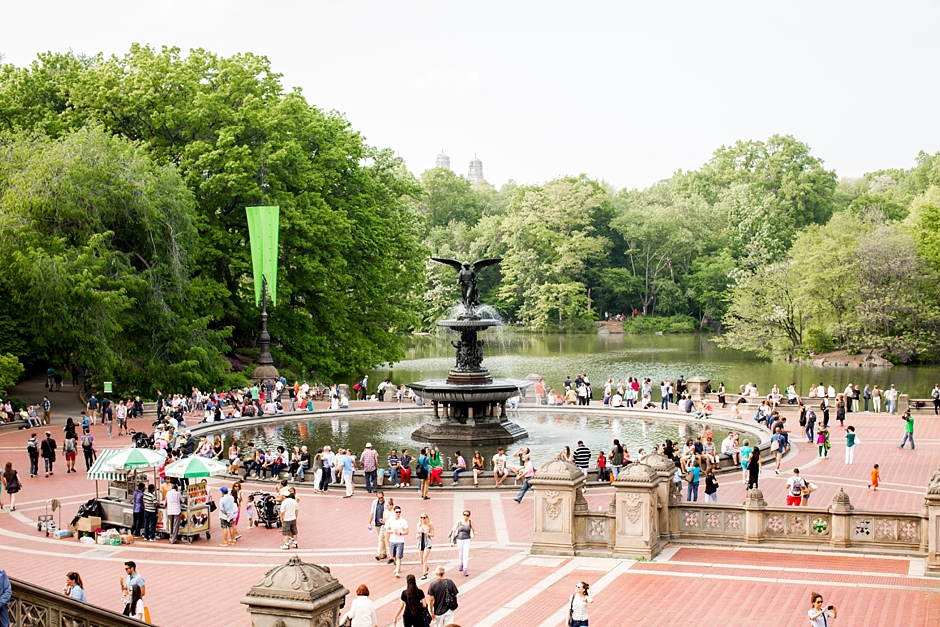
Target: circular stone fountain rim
(469, 323)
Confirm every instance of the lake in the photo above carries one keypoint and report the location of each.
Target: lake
(516, 355)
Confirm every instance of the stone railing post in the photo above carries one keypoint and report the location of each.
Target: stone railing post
(296, 594)
(932, 507)
(754, 505)
(667, 494)
(696, 387)
(557, 487)
(841, 509)
(636, 503)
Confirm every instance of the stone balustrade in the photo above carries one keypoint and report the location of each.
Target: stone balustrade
(646, 512)
(33, 606)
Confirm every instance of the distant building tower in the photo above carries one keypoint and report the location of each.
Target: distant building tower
(475, 174)
(442, 161)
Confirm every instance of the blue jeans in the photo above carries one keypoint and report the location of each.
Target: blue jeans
(457, 472)
(150, 525)
(665, 403)
(525, 488)
(892, 405)
(810, 429)
(371, 480)
(908, 437)
(579, 623)
(692, 492)
(393, 475)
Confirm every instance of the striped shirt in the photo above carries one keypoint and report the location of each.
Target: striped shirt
(582, 456)
(150, 502)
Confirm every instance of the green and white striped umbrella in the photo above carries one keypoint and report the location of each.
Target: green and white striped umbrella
(131, 458)
(195, 466)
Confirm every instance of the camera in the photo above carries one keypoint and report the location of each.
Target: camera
(830, 607)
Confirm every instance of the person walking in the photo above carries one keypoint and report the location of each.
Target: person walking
(442, 599)
(132, 585)
(348, 466)
(526, 474)
(693, 477)
(397, 529)
(795, 485)
(370, 467)
(92, 407)
(377, 523)
(935, 395)
(361, 612)
(423, 472)
(6, 594)
(875, 478)
(174, 508)
(753, 468)
(413, 606)
(11, 483)
(69, 446)
(425, 535)
(32, 449)
(850, 442)
(88, 448)
(48, 449)
(711, 485)
(325, 459)
(908, 430)
(461, 535)
(818, 615)
(137, 507)
(150, 513)
(288, 515)
(74, 588)
(577, 606)
(227, 512)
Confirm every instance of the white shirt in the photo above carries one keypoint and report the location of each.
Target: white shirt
(727, 445)
(289, 509)
(362, 612)
(499, 461)
(396, 529)
(820, 621)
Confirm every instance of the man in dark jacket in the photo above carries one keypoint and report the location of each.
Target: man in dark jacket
(47, 449)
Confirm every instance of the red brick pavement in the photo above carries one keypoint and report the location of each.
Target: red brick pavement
(333, 531)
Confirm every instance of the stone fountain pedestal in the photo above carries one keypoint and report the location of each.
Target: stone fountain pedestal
(469, 406)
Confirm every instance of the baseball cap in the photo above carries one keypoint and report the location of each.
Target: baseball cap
(223, 490)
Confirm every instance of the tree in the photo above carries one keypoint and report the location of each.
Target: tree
(448, 197)
(765, 314)
(10, 371)
(100, 240)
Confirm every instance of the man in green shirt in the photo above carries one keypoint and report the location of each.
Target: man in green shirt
(908, 430)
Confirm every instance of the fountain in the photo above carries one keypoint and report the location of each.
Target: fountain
(469, 406)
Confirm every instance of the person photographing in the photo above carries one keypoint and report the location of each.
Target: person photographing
(818, 615)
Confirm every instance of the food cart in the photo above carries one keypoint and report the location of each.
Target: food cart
(116, 508)
(194, 513)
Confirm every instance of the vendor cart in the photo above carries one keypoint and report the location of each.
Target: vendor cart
(117, 507)
(194, 516)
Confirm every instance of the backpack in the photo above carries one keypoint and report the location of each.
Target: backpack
(356, 387)
(797, 488)
(775, 444)
(421, 471)
(69, 445)
(86, 441)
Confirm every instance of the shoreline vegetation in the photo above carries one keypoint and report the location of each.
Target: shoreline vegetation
(122, 204)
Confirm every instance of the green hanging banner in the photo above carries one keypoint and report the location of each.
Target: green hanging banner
(263, 225)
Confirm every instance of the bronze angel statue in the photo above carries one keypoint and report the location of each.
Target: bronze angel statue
(467, 279)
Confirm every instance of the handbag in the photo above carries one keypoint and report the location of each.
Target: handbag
(347, 622)
(427, 617)
(213, 506)
(689, 476)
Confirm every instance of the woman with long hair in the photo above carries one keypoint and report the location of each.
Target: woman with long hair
(11, 483)
(217, 448)
(460, 537)
(425, 535)
(753, 468)
(818, 615)
(234, 457)
(137, 603)
(74, 587)
(577, 607)
(615, 459)
(477, 464)
(436, 466)
(237, 495)
(413, 605)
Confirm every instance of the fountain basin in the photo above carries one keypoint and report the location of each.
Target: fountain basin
(497, 391)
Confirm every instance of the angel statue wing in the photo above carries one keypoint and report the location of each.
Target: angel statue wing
(482, 263)
(456, 265)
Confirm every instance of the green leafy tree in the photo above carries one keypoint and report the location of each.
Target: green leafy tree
(10, 371)
(448, 197)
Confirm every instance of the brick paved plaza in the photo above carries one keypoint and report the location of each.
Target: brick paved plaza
(202, 584)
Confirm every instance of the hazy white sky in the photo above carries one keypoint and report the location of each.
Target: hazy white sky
(624, 91)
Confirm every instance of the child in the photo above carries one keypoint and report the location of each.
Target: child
(250, 512)
(875, 476)
(822, 441)
(601, 466)
(850, 442)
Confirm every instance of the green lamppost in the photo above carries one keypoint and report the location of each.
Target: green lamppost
(263, 234)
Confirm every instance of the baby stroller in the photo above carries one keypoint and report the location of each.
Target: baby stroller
(266, 510)
(141, 439)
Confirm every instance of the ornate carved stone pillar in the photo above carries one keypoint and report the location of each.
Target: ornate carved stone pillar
(841, 509)
(667, 494)
(296, 594)
(754, 505)
(932, 506)
(557, 487)
(636, 502)
(696, 387)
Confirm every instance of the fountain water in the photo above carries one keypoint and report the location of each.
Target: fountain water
(469, 406)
